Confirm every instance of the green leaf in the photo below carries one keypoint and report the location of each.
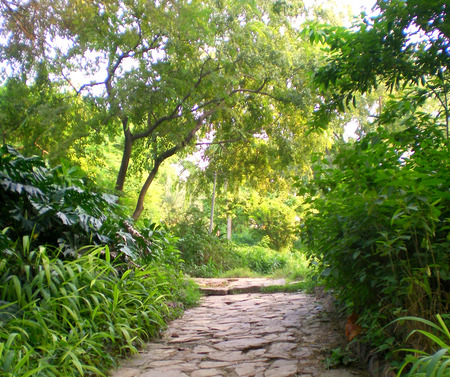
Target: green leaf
(432, 367)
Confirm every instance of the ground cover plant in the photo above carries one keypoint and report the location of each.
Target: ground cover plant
(76, 317)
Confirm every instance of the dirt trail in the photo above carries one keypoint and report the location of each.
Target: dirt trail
(250, 334)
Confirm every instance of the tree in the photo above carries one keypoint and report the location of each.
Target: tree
(33, 114)
(379, 206)
(164, 73)
(405, 47)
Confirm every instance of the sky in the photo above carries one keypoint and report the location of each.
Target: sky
(359, 5)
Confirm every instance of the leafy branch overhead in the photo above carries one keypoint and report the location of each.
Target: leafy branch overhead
(406, 45)
(160, 73)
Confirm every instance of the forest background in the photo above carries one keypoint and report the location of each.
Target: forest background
(118, 99)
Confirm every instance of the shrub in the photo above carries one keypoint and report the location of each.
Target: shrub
(378, 226)
(53, 204)
(261, 259)
(57, 207)
(67, 307)
(274, 221)
(203, 254)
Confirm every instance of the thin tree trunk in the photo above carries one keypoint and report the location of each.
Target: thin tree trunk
(125, 157)
(211, 220)
(140, 203)
(228, 212)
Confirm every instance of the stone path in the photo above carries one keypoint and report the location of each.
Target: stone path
(242, 335)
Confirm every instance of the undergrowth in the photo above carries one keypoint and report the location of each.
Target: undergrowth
(378, 232)
(79, 285)
(74, 317)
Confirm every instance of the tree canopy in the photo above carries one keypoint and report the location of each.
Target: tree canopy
(405, 46)
(165, 73)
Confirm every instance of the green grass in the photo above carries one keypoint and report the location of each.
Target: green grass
(259, 261)
(246, 261)
(240, 272)
(300, 286)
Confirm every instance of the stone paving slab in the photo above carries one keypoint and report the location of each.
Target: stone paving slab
(223, 286)
(244, 335)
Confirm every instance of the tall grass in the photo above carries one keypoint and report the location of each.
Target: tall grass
(419, 363)
(72, 318)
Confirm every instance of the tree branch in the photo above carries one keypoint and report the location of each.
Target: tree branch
(29, 34)
(165, 155)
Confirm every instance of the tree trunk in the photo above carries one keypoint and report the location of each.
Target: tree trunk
(228, 227)
(211, 220)
(162, 157)
(125, 157)
(140, 202)
(228, 212)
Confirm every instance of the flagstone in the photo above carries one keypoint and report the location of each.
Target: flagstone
(241, 344)
(126, 372)
(207, 373)
(203, 349)
(258, 335)
(214, 364)
(248, 369)
(160, 373)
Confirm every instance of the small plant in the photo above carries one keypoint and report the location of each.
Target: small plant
(261, 259)
(339, 356)
(424, 364)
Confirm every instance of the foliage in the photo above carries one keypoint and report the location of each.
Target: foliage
(163, 74)
(54, 204)
(339, 357)
(61, 318)
(260, 259)
(208, 255)
(203, 254)
(67, 307)
(424, 364)
(405, 45)
(275, 222)
(40, 119)
(378, 226)
(57, 207)
(268, 219)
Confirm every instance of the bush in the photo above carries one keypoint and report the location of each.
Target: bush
(260, 259)
(53, 204)
(204, 254)
(378, 226)
(67, 308)
(57, 207)
(274, 222)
